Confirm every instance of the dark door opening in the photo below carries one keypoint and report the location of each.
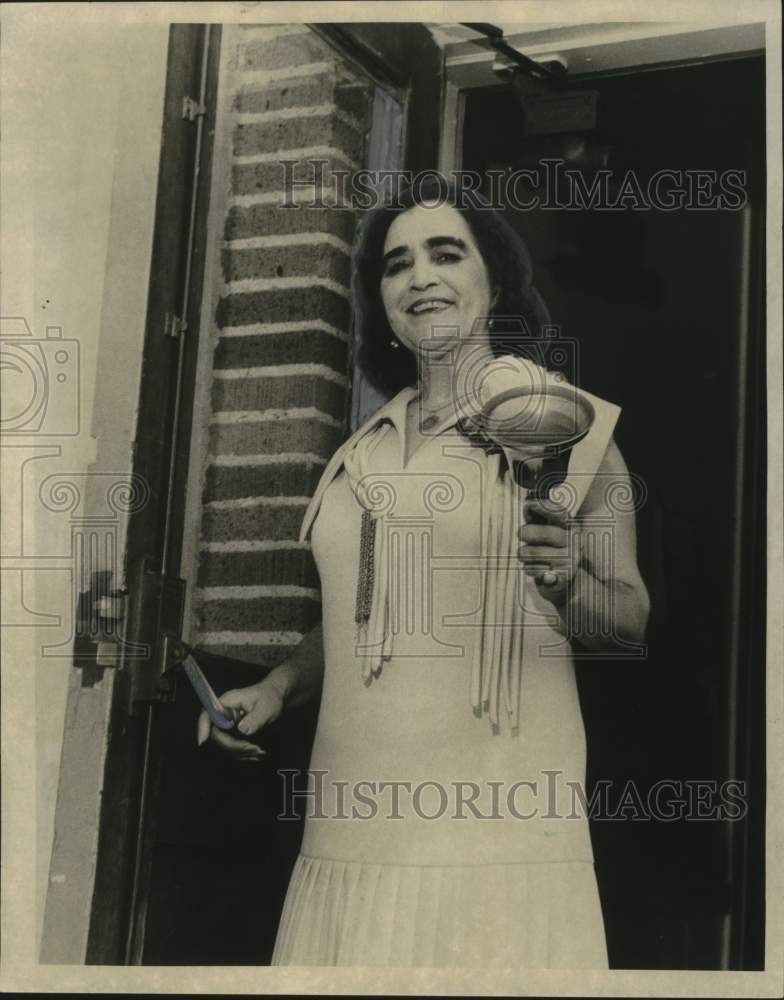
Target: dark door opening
(667, 312)
(222, 857)
(160, 460)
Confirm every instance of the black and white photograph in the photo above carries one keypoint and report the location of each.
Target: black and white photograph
(391, 443)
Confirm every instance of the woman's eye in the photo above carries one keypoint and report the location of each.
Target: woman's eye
(446, 257)
(394, 267)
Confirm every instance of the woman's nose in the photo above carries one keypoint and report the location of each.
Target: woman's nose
(422, 275)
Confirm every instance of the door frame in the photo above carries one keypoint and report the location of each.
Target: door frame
(587, 50)
(161, 453)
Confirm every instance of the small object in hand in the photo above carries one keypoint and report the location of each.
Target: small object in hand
(549, 578)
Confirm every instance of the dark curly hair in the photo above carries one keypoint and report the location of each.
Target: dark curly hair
(518, 305)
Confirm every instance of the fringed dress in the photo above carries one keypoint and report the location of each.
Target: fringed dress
(443, 828)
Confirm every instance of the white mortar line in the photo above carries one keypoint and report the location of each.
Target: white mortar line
(286, 114)
(312, 197)
(245, 285)
(251, 76)
(298, 153)
(265, 416)
(292, 326)
(251, 593)
(237, 503)
(295, 239)
(281, 371)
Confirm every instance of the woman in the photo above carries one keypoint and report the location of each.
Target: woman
(450, 753)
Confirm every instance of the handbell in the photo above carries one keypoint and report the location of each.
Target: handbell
(537, 427)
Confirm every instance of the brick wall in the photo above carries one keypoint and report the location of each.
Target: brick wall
(279, 380)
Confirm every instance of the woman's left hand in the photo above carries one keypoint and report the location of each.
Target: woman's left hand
(551, 553)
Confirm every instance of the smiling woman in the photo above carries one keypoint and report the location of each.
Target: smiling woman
(452, 606)
(476, 238)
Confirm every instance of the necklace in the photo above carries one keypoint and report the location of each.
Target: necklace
(427, 421)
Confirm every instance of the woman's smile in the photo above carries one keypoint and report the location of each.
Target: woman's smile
(428, 306)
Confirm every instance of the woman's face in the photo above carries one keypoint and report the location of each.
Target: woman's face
(433, 277)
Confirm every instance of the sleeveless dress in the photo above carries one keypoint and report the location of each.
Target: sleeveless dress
(443, 825)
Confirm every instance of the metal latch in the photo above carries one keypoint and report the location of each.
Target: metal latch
(155, 618)
(154, 632)
(192, 109)
(174, 326)
(98, 638)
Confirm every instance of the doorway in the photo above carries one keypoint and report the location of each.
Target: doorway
(667, 312)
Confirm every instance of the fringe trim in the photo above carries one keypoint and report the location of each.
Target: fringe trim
(496, 671)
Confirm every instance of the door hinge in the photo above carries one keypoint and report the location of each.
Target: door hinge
(192, 109)
(98, 640)
(174, 326)
(157, 604)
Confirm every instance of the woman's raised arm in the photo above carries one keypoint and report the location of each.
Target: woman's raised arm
(600, 596)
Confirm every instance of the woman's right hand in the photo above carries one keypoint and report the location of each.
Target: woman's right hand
(256, 706)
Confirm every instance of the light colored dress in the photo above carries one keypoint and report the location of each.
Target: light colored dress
(444, 828)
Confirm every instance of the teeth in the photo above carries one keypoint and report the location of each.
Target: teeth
(429, 306)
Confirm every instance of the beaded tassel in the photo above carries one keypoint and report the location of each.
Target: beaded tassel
(365, 576)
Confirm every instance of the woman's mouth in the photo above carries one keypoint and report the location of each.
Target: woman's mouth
(428, 306)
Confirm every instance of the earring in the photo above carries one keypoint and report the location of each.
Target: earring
(394, 343)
